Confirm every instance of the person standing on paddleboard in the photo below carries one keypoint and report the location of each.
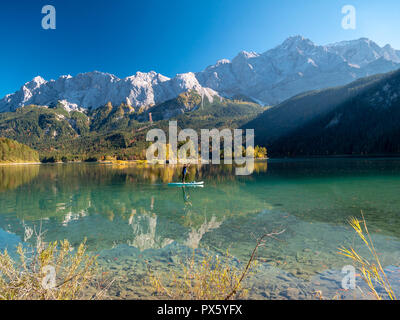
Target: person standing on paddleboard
(184, 172)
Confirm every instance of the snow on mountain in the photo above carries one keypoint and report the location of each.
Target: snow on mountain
(95, 89)
(295, 66)
(364, 51)
(298, 65)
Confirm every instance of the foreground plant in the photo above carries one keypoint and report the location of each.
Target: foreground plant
(371, 270)
(212, 278)
(53, 271)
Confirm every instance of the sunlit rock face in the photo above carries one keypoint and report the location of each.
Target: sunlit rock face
(95, 89)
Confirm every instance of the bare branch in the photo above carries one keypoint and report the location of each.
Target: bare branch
(260, 242)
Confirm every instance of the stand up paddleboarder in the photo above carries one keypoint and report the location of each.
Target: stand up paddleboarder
(184, 172)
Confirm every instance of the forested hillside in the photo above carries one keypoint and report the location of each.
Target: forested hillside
(365, 124)
(116, 130)
(295, 112)
(12, 151)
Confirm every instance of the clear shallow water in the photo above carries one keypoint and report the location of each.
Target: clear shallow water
(132, 219)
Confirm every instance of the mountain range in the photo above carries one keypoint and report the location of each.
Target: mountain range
(300, 98)
(284, 118)
(295, 66)
(359, 119)
(116, 131)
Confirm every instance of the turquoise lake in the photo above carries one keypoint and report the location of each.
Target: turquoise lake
(132, 219)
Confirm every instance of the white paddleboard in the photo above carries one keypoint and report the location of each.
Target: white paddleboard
(187, 183)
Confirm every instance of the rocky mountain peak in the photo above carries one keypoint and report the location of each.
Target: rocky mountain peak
(295, 66)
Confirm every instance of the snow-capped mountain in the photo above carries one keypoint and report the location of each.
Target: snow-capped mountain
(364, 51)
(95, 89)
(295, 66)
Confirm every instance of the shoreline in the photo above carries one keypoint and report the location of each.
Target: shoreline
(19, 163)
(127, 162)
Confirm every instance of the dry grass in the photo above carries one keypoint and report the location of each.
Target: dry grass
(371, 270)
(29, 277)
(212, 278)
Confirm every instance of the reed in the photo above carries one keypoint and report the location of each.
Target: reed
(371, 269)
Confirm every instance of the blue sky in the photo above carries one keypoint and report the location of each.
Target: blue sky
(169, 36)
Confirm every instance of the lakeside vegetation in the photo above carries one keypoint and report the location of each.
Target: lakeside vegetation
(370, 268)
(58, 271)
(48, 271)
(211, 278)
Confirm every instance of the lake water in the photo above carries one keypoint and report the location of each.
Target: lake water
(132, 219)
